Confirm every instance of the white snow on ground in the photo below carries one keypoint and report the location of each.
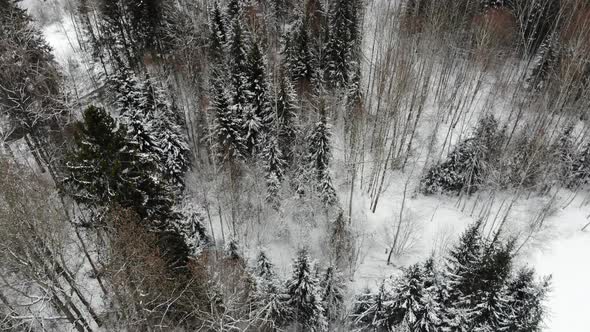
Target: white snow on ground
(59, 32)
(61, 38)
(565, 258)
(79, 71)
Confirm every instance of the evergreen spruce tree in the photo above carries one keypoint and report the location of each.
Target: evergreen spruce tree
(154, 125)
(127, 91)
(83, 10)
(526, 298)
(463, 261)
(280, 11)
(129, 29)
(300, 58)
(174, 249)
(232, 250)
(537, 20)
(272, 305)
(526, 164)
(251, 131)
(172, 148)
(121, 32)
(341, 242)
(355, 33)
(146, 18)
(233, 10)
(478, 272)
(470, 162)
(354, 95)
(99, 142)
(490, 139)
(581, 167)
(340, 44)
(417, 8)
(270, 300)
(430, 272)
(428, 319)
(459, 171)
(106, 167)
(406, 304)
(332, 286)
(274, 165)
(489, 302)
(477, 292)
(237, 65)
(315, 18)
(285, 124)
(544, 64)
(319, 157)
(131, 106)
(564, 153)
(140, 127)
(227, 127)
(191, 226)
(115, 30)
(370, 309)
(459, 280)
(258, 115)
(304, 296)
(354, 113)
(264, 269)
(217, 35)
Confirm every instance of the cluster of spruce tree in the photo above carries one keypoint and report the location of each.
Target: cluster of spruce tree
(554, 32)
(529, 160)
(255, 109)
(136, 160)
(571, 156)
(322, 45)
(536, 160)
(308, 300)
(475, 288)
(122, 32)
(132, 154)
(111, 165)
(127, 173)
(465, 169)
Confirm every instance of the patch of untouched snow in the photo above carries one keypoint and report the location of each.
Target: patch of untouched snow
(60, 36)
(429, 225)
(58, 32)
(565, 259)
(76, 65)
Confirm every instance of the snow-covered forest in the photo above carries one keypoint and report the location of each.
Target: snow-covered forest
(294, 165)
